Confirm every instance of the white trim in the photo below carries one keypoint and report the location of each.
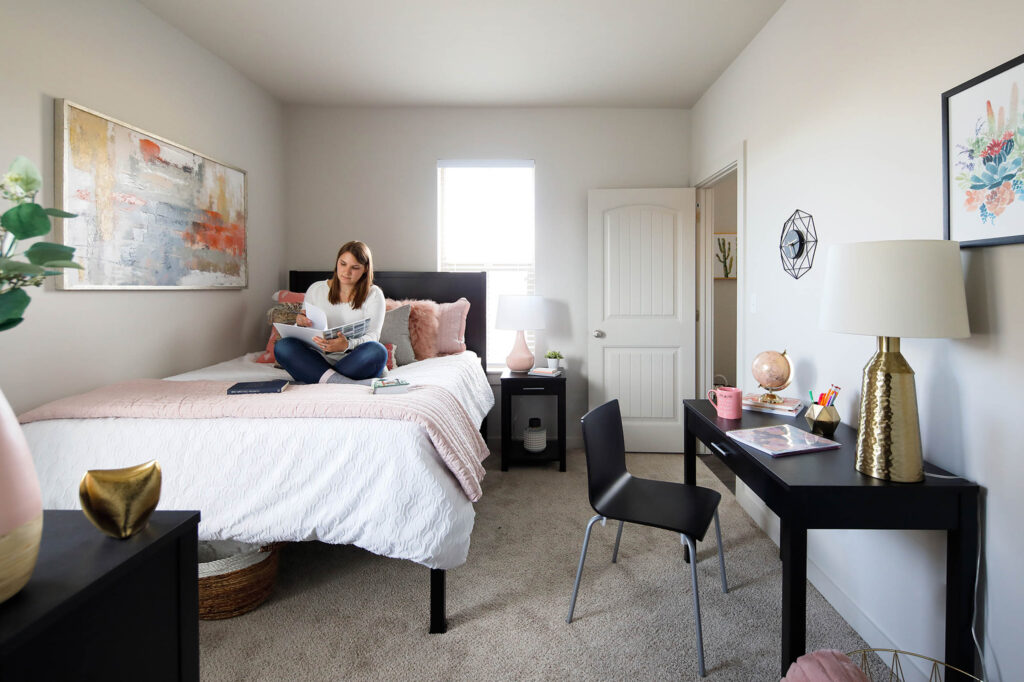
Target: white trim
(486, 163)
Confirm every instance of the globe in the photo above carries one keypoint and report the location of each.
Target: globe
(772, 371)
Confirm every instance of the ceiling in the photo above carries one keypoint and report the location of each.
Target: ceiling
(642, 53)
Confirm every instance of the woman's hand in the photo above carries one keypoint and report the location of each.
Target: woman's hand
(333, 346)
(302, 321)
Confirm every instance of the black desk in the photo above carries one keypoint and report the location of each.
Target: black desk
(824, 490)
(97, 608)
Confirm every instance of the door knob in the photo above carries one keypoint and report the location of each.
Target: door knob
(598, 334)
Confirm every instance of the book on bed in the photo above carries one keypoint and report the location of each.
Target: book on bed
(271, 386)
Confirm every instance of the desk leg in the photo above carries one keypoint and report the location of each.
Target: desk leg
(961, 573)
(794, 592)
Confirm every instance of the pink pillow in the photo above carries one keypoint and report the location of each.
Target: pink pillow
(451, 327)
(268, 354)
(391, 355)
(422, 326)
(825, 665)
(285, 296)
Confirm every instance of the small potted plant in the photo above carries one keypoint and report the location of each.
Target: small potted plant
(554, 357)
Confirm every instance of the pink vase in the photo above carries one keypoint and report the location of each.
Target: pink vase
(21, 506)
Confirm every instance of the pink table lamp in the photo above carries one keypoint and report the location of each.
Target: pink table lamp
(519, 313)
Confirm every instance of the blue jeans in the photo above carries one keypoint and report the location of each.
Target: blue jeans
(306, 364)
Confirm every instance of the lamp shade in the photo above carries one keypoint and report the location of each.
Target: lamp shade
(905, 289)
(520, 312)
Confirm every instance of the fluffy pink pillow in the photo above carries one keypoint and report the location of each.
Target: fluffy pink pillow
(422, 326)
(285, 296)
(451, 327)
(825, 665)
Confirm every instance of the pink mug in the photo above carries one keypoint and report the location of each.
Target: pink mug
(729, 403)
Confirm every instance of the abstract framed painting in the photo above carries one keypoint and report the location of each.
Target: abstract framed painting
(150, 213)
(982, 158)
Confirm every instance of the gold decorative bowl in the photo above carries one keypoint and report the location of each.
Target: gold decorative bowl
(119, 501)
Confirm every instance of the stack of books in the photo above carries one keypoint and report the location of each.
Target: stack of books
(544, 372)
(789, 407)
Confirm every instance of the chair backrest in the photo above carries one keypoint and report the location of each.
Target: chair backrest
(605, 447)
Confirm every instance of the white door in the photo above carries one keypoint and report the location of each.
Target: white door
(642, 310)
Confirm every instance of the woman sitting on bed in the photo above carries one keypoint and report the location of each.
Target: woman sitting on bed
(348, 296)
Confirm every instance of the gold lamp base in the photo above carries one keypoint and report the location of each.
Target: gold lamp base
(889, 438)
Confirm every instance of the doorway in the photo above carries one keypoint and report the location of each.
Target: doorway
(720, 239)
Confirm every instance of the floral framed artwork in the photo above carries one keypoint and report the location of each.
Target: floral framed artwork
(150, 213)
(982, 156)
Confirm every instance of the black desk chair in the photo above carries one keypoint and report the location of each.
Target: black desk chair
(616, 495)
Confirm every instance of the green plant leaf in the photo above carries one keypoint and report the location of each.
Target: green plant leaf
(29, 178)
(12, 308)
(9, 266)
(62, 264)
(25, 221)
(42, 253)
(57, 213)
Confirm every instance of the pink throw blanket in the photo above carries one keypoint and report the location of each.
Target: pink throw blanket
(434, 408)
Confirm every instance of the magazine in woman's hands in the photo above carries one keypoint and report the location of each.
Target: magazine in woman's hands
(784, 439)
(318, 320)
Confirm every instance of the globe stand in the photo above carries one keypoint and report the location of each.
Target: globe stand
(768, 398)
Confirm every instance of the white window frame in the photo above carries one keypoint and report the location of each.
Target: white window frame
(495, 356)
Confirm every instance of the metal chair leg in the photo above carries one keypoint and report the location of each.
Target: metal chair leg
(721, 555)
(618, 536)
(579, 571)
(696, 605)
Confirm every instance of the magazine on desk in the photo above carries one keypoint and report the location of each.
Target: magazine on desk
(782, 439)
(318, 320)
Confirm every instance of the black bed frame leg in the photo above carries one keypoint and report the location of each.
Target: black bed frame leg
(438, 621)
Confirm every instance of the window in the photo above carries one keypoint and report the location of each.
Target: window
(485, 222)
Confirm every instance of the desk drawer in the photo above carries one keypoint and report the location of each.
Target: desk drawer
(723, 447)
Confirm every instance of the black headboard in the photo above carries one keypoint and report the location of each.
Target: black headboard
(443, 287)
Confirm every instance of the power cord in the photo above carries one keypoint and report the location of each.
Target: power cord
(977, 576)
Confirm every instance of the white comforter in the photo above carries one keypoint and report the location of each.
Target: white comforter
(378, 484)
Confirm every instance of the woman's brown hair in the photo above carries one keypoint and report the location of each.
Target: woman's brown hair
(361, 252)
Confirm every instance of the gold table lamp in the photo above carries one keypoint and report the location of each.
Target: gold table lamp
(893, 290)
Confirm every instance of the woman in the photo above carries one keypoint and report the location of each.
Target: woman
(348, 296)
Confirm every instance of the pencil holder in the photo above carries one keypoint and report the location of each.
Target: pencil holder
(823, 419)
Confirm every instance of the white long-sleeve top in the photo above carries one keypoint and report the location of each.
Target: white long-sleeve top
(343, 313)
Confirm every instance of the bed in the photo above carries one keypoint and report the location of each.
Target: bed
(380, 484)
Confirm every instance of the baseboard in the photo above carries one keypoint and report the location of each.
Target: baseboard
(766, 519)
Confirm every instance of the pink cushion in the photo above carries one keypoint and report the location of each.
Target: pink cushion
(825, 665)
(422, 326)
(451, 327)
(285, 296)
(391, 355)
(268, 354)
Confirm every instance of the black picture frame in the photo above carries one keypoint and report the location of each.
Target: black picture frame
(958, 156)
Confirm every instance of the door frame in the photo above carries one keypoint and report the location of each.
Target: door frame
(734, 160)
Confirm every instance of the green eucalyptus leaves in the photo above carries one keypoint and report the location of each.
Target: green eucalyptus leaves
(26, 220)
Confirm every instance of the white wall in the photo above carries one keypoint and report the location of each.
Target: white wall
(118, 58)
(371, 174)
(839, 104)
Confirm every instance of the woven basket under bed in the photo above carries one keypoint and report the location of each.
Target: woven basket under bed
(237, 584)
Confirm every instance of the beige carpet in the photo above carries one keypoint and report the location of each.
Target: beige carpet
(342, 613)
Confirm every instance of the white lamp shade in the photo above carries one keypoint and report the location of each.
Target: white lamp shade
(520, 312)
(906, 289)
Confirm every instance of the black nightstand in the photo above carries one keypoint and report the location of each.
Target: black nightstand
(97, 608)
(521, 383)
